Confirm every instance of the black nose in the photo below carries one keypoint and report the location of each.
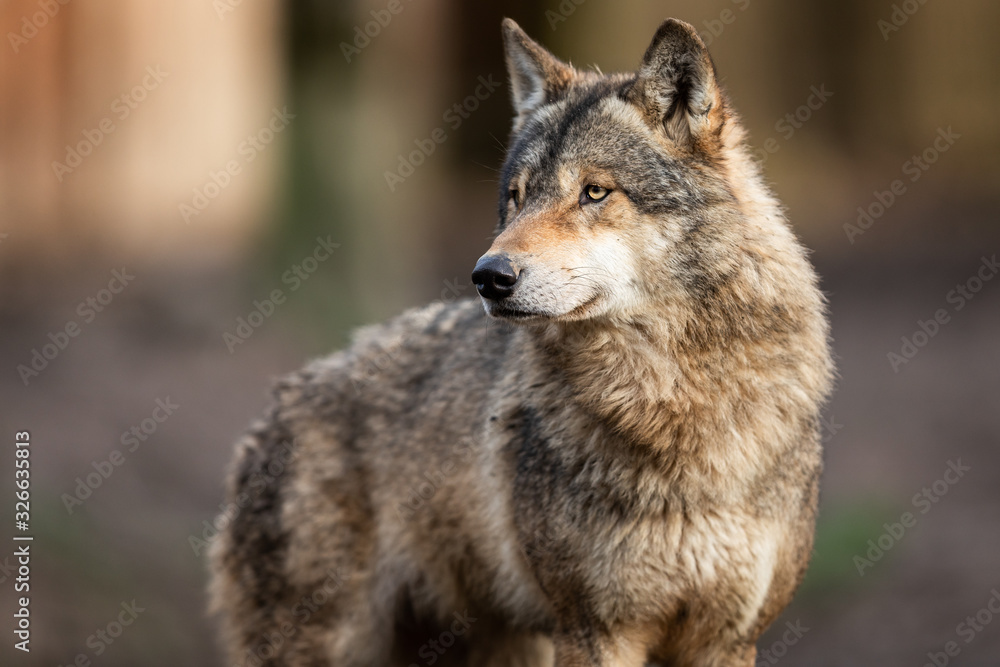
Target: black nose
(494, 277)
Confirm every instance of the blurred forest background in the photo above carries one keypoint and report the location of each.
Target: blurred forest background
(201, 147)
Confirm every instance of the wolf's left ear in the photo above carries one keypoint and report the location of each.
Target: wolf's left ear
(536, 76)
(676, 84)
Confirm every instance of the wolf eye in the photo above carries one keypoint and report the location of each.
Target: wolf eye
(593, 193)
(515, 197)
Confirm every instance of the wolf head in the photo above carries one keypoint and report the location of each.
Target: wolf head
(617, 189)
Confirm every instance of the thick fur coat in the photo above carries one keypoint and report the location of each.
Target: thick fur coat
(611, 459)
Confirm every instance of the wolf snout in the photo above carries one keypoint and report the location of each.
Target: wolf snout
(495, 277)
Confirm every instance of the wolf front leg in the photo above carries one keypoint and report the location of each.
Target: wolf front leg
(583, 649)
(579, 649)
(739, 656)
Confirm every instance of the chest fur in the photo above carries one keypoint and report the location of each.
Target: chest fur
(620, 534)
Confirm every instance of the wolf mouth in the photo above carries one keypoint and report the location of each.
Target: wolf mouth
(508, 313)
(500, 311)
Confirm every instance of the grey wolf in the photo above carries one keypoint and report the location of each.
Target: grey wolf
(615, 451)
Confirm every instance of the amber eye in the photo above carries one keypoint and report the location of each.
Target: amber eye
(594, 193)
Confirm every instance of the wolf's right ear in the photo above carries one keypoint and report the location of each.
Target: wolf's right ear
(536, 76)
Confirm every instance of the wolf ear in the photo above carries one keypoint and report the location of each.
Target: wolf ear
(676, 86)
(536, 76)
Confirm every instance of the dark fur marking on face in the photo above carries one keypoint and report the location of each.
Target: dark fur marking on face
(553, 135)
(656, 182)
(576, 113)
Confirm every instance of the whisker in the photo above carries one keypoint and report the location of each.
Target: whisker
(500, 144)
(479, 164)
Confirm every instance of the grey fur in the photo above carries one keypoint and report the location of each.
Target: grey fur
(619, 468)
